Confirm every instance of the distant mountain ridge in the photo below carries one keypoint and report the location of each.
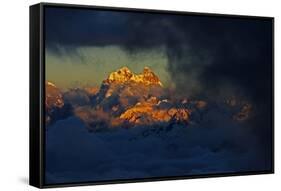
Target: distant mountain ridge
(128, 100)
(123, 75)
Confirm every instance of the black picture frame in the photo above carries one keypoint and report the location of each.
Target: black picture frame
(37, 94)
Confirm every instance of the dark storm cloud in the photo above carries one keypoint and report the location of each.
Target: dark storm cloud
(208, 56)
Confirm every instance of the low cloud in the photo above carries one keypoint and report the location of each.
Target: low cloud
(213, 146)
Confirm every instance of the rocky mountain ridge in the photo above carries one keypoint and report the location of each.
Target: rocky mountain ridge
(123, 75)
(129, 100)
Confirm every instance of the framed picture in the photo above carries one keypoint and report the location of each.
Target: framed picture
(129, 95)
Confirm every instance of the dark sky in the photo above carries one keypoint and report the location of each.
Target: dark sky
(207, 56)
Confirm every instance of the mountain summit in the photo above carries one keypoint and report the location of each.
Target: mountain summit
(126, 99)
(123, 75)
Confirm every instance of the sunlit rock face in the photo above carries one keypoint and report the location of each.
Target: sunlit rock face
(126, 99)
(123, 89)
(55, 106)
(124, 75)
(120, 76)
(53, 97)
(148, 113)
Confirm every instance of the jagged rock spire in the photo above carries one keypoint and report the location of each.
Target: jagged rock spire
(122, 75)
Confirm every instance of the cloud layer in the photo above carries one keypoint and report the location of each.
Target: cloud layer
(215, 146)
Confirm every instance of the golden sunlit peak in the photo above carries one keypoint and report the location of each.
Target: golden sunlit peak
(124, 75)
(50, 84)
(146, 69)
(125, 69)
